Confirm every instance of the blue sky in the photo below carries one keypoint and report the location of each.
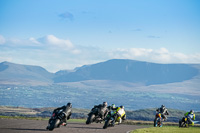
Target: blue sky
(64, 34)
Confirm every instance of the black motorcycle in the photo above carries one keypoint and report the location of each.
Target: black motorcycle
(56, 119)
(109, 120)
(184, 122)
(94, 116)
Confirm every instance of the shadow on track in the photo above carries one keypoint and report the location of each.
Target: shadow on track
(87, 127)
(25, 129)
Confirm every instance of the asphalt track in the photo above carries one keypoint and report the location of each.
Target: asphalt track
(39, 126)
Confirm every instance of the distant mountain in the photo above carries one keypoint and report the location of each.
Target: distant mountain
(62, 72)
(112, 70)
(133, 83)
(23, 74)
(131, 71)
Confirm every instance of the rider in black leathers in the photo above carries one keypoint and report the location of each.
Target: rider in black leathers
(68, 111)
(103, 109)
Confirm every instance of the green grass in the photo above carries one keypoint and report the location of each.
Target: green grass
(168, 129)
(77, 120)
(39, 118)
(22, 117)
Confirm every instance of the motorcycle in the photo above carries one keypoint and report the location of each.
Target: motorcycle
(184, 122)
(109, 120)
(158, 120)
(94, 116)
(56, 120)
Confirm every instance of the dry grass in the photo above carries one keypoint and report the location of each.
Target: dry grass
(20, 110)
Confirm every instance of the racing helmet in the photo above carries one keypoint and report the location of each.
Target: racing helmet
(122, 106)
(113, 105)
(191, 111)
(69, 105)
(163, 106)
(105, 104)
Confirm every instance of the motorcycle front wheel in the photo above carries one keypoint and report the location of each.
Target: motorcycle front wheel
(107, 122)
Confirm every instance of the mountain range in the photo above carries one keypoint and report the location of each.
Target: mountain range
(134, 84)
(11, 73)
(114, 70)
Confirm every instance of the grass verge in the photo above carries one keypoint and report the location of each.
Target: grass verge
(167, 129)
(38, 118)
(136, 122)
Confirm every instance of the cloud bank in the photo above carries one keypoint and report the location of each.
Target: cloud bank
(161, 55)
(56, 54)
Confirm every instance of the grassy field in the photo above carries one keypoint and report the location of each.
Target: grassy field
(22, 117)
(38, 118)
(168, 129)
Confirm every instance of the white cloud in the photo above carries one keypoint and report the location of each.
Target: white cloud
(2, 39)
(162, 51)
(21, 43)
(161, 55)
(140, 51)
(55, 54)
(49, 42)
(132, 53)
(56, 42)
(33, 40)
(49, 52)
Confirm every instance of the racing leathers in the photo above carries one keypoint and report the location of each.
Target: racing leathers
(67, 109)
(163, 112)
(120, 114)
(102, 109)
(191, 116)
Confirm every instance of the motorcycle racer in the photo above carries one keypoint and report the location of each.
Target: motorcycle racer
(102, 109)
(191, 116)
(67, 109)
(163, 112)
(120, 114)
(112, 107)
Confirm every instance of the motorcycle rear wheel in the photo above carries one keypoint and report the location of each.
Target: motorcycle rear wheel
(90, 119)
(54, 124)
(155, 123)
(182, 124)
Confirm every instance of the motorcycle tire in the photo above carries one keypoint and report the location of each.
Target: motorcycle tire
(54, 124)
(90, 119)
(180, 123)
(106, 124)
(161, 124)
(155, 123)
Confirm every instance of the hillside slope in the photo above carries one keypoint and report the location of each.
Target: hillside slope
(131, 71)
(11, 73)
(113, 70)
